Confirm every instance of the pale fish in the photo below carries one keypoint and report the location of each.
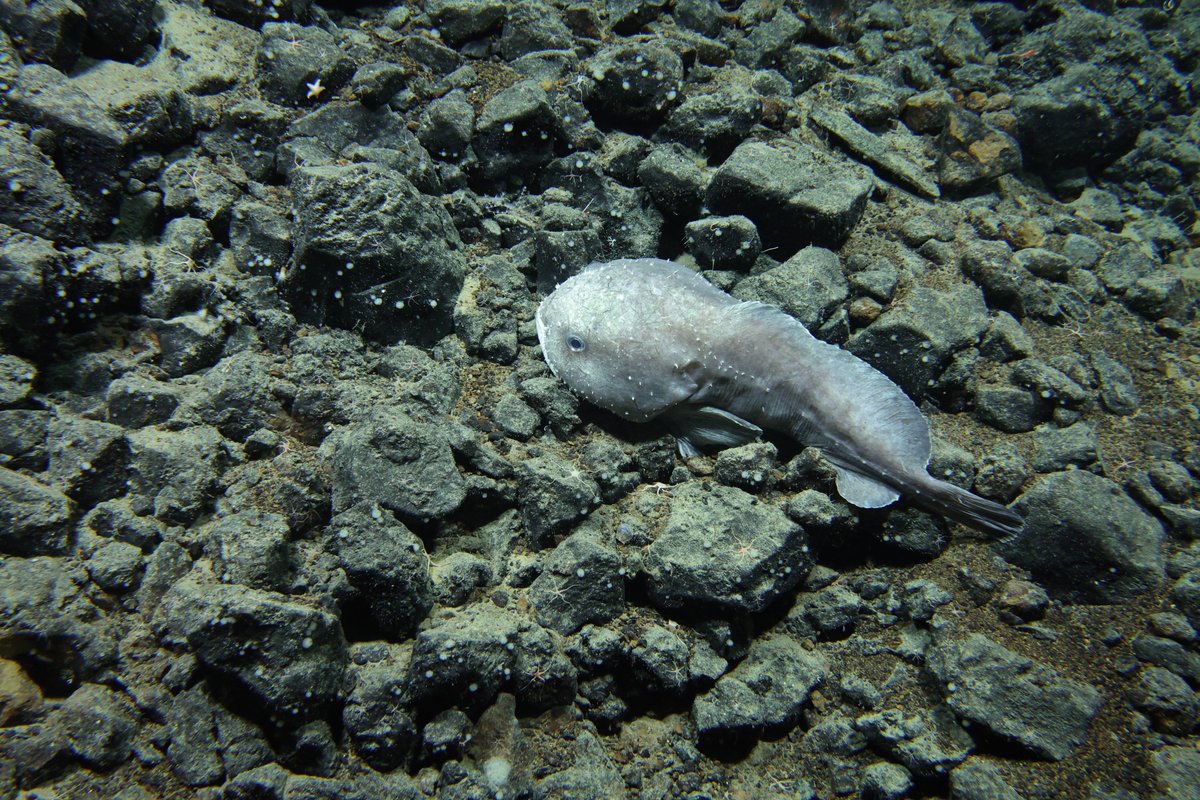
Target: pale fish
(650, 339)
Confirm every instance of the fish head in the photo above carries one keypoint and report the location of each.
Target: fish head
(605, 332)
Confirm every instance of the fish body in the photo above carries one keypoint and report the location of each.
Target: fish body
(651, 340)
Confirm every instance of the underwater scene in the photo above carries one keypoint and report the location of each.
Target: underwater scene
(568, 400)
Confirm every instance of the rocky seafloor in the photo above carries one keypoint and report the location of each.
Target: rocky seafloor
(291, 507)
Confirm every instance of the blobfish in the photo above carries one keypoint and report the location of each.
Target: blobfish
(649, 339)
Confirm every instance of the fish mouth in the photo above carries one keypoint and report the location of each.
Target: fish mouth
(544, 337)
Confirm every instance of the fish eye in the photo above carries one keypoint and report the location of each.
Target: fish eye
(576, 343)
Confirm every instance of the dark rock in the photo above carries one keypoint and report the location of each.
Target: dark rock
(721, 547)
(533, 26)
(1172, 625)
(266, 782)
(285, 658)
(312, 750)
(915, 338)
(724, 242)
(100, 725)
(515, 418)
(1024, 600)
(254, 15)
(463, 661)
(377, 254)
(38, 200)
(1169, 655)
(261, 239)
(552, 495)
(1008, 408)
(48, 32)
(870, 148)
(460, 20)
(1044, 263)
(485, 316)
(23, 439)
(289, 485)
(390, 591)
(1006, 284)
(747, 467)
(884, 781)
(1178, 771)
(237, 395)
(457, 576)
(674, 180)
(876, 279)
(551, 398)
(980, 780)
(716, 121)
(768, 42)
(447, 125)
(702, 16)
(35, 519)
(1060, 448)
(582, 582)
(1085, 540)
(193, 752)
(402, 465)
(251, 548)
(168, 563)
(208, 741)
(189, 342)
(809, 286)
(335, 133)
(429, 386)
(516, 132)
(636, 82)
(834, 736)
(974, 153)
(1072, 111)
(1013, 698)
(918, 600)
(116, 566)
(1051, 387)
(32, 754)
(16, 380)
(1005, 339)
(287, 72)
(1172, 706)
(1185, 593)
(173, 474)
(199, 188)
(114, 519)
(660, 661)
(1123, 266)
(544, 676)
(593, 773)
(380, 728)
(613, 469)
(89, 147)
(446, 735)
(560, 254)
(793, 192)
(135, 402)
(767, 690)
(1159, 295)
(831, 612)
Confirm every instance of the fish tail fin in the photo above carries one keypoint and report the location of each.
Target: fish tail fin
(969, 509)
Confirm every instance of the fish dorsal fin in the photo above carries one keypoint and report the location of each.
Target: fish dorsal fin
(708, 428)
(881, 409)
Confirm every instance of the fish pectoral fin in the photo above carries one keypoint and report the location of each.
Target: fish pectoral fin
(863, 491)
(709, 428)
